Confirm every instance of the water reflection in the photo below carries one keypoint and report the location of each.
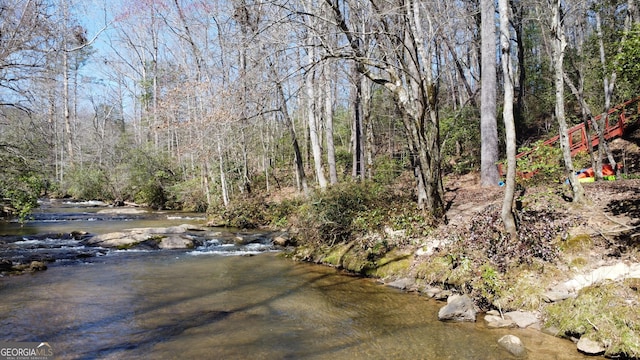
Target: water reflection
(172, 305)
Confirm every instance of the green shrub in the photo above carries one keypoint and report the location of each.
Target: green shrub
(21, 194)
(150, 177)
(387, 169)
(544, 161)
(249, 213)
(190, 195)
(460, 139)
(255, 212)
(333, 215)
(87, 183)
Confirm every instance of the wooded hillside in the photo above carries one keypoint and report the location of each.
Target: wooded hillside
(193, 104)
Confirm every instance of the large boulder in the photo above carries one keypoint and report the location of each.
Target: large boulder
(174, 237)
(458, 308)
(513, 344)
(118, 239)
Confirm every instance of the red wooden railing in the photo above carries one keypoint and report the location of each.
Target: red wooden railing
(578, 134)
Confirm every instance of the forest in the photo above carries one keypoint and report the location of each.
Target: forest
(179, 104)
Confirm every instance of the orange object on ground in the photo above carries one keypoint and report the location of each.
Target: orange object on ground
(586, 173)
(607, 170)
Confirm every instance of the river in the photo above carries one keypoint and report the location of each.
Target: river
(209, 304)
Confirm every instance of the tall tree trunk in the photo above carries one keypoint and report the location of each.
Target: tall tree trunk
(301, 179)
(357, 141)
(507, 113)
(609, 83)
(488, 124)
(518, 21)
(223, 176)
(425, 125)
(65, 86)
(369, 143)
(314, 134)
(328, 121)
(559, 44)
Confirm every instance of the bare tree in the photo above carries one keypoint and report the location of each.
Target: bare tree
(559, 43)
(509, 123)
(310, 85)
(404, 67)
(608, 83)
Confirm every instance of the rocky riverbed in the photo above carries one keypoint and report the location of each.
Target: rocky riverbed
(29, 253)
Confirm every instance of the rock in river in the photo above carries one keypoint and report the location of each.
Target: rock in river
(458, 308)
(590, 347)
(513, 344)
(174, 237)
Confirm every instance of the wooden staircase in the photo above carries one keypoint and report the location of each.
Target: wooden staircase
(617, 118)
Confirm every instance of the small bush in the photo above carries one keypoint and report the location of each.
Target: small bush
(255, 212)
(190, 195)
(21, 195)
(87, 183)
(543, 161)
(387, 169)
(249, 213)
(333, 215)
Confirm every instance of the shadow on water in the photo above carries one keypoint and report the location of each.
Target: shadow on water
(178, 306)
(161, 333)
(172, 315)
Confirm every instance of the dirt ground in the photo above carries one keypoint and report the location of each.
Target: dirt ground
(611, 216)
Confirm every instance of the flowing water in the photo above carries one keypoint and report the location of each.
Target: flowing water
(205, 304)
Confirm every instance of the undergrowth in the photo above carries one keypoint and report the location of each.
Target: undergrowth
(606, 313)
(345, 211)
(481, 259)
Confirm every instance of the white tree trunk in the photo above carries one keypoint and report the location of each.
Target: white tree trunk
(509, 122)
(328, 120)
(559, 44)
(313, 122)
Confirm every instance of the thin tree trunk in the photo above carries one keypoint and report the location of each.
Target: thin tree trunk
(367, 130)
(223, 177)
(559, 44)
(328, 121)
(301, 179)
(314, 135)
(507, 113)
(518, 13)
(587, 115)
(609, 86)
(356, 129)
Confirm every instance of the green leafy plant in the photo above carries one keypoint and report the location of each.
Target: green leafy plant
(542, 163)
(22, 195)
(334, 214)
(88, 183)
